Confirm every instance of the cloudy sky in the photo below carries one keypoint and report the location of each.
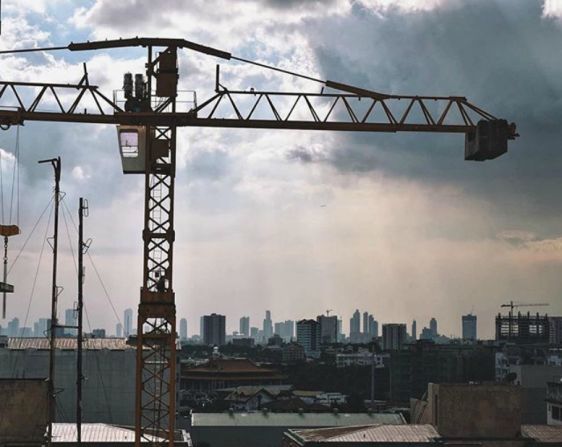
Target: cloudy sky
(299, 222)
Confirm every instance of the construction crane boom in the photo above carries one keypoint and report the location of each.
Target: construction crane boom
(513, 305)
(147, 123)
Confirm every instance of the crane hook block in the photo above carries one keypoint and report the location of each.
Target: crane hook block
(488, 140)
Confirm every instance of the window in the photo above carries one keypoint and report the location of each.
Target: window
(129, 142)
(556, 413)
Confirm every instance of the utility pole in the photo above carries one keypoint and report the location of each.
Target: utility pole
(373, 379)
(82, 248)
(56, 163)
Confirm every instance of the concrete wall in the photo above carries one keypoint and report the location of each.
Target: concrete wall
(24, 410)
(533, 380)
(108, 389)
(485, 411)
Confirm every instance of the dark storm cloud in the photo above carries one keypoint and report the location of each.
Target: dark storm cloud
(503, 55)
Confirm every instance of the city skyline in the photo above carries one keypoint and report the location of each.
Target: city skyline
(233, 325)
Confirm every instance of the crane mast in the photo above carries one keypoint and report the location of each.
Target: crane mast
(147, 129)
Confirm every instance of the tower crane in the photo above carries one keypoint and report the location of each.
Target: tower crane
(147, 124)
(512, 305)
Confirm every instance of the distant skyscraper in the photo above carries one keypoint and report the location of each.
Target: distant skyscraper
(373, 328)
(308, 335)
(202, 327)
(355, 327)
(183, 329)
(469, 327)
(365, 322)
(393, 336)
(245, 326)
(328, 328)
(267, 325)
(433, 327)
(128, 322)
(254, 331)
(414, 330)
(41, 327)
(13, 327)
(119, 330)
(70, 320)
(340, 329)
(215, 330)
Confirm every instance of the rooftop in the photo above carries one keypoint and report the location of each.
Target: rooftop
(230, 366)
(547, 434)
(294, 420)
(368, 433)
(104, 433)
(42, 343)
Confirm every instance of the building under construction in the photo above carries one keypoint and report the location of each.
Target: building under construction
(523, 328)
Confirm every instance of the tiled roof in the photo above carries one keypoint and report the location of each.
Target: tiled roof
(106, 433)
(543, 433)
(64, 432)
(68, 343)
(370, 433)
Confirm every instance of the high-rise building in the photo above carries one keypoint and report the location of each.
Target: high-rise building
(469, 327)
(119, 330)
(254, 332)
(555, 330)
(183, 329)
(393, 336)
(70, 318)
(308, 336)
(267, 325)
(41, 327)
(355, 327)
(414, 330)
(202, 327)
(373, 328)
(128, 322)
(214, 326)
(328, 328)
(340, 330)
(433, 327)
(366, 323)
(245, 326)
(13, 327)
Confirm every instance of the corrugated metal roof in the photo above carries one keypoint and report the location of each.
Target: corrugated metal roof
(68, 343)
(293, 419)
(543, 433)
(63, 432)
(372, 433)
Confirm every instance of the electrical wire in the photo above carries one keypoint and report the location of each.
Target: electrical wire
(95, 353)
(34, 283)
(91, 259)
(30, 234)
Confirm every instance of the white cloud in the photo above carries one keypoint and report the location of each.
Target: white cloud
(552, 9)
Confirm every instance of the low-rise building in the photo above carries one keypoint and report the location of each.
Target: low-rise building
(554, 403)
